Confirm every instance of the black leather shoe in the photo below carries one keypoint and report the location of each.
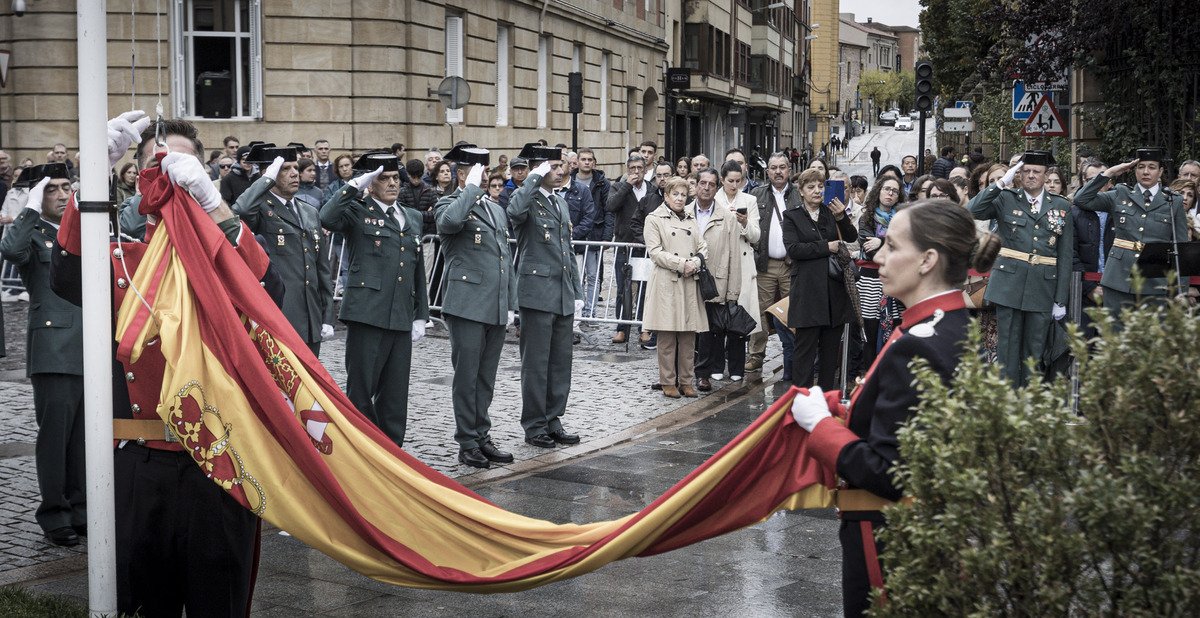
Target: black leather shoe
(473, 457)
(494, 454)
(63, 537)
(541, 440)
(80, 530)
(563, 437)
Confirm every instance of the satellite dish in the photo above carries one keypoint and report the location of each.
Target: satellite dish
(454, 92)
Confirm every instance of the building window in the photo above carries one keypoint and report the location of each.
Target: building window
(217, 58)
(543, 83)
(503, 67)
(604, 64)
(454, 59)
(742, 67)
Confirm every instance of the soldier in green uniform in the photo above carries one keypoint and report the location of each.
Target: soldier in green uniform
(292, 229)
(549, 294)
(54, 359)
(385, 304)
(1031, 278)
(479, 300)
(1144, 213)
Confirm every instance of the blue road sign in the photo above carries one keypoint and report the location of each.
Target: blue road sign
(1023, 102)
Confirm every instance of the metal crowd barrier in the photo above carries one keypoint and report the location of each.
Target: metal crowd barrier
(611, 272)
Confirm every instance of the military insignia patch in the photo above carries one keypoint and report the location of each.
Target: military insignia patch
(378, 243)
(1052, 239)
(49, 244)
(270, 213)
(280, 240)
(478, 239)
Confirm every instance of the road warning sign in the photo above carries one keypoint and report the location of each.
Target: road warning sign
(1045, 121)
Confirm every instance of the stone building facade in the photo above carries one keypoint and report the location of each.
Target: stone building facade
(356, 73)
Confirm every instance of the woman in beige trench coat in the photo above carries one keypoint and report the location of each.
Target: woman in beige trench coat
(732, 197)
(674, 309)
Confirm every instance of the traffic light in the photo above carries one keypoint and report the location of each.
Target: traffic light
(924, 81)
(575, 92)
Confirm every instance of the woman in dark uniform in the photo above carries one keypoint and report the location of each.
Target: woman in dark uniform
(923, 262)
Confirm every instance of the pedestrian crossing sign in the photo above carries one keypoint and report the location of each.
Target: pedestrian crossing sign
(1045, 120)
(1023, 102)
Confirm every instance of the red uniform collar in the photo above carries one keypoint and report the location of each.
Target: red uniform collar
(946, 301)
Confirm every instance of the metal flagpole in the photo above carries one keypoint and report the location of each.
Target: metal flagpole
(97, 305)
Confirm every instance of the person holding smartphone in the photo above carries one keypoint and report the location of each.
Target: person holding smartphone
(741, 204)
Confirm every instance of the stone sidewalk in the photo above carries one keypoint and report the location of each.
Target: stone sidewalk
(611, 402)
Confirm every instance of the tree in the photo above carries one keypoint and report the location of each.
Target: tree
(901, 88)
(954, 37)
(873, 84)
(1024, 509)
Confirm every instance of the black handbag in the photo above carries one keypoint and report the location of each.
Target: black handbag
(740, 322)
(708, 285)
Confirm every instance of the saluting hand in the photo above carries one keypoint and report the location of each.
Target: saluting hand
(366, 179)
(34, 199)
(1011, 174)
(272, 171)
(542, 169)
(1120, 168)
(475, 176)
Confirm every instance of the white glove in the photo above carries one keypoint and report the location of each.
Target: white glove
(808, 410)
(326, 332)
(1058, 312)
(542, 169)
(272, 170)
(1007, 181)
(512, 317)
(365, 180)
(418, 330)
(475, 176)
(34, 201)
(578, 306)
(124, 131)
(186, 171)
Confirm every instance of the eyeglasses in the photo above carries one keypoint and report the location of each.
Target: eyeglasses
(933, 195)
(891, 190)
(663, 175)
(496, 185)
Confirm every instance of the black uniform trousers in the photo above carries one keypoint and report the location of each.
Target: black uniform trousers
(546, 340)
(179, 549)
(819, 344)
(859, 564)
(714, 348)
(59, 453)
(475, 355)
(377, 366)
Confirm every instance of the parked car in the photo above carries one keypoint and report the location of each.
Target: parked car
(888, 118)
(904, 123)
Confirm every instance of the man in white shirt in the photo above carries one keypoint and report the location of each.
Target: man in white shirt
(770, 256)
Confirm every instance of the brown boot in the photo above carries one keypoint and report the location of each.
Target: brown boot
(688, 391)
(620, 338)
(644, 337)
(670, 391)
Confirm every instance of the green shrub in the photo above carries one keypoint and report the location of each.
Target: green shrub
(1025, 509)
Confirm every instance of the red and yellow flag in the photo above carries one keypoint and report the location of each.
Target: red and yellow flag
(259, 413)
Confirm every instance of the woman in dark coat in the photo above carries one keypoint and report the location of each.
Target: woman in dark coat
(819, 305)
(923, 263)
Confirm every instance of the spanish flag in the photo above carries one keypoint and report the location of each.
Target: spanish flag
(262, 417)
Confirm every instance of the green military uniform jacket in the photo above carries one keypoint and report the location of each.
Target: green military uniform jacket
(297, 250)
(548, 278)
(385, 285)
(1135, 221)
(478, 283)
(54, 339)
(1017, 283)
